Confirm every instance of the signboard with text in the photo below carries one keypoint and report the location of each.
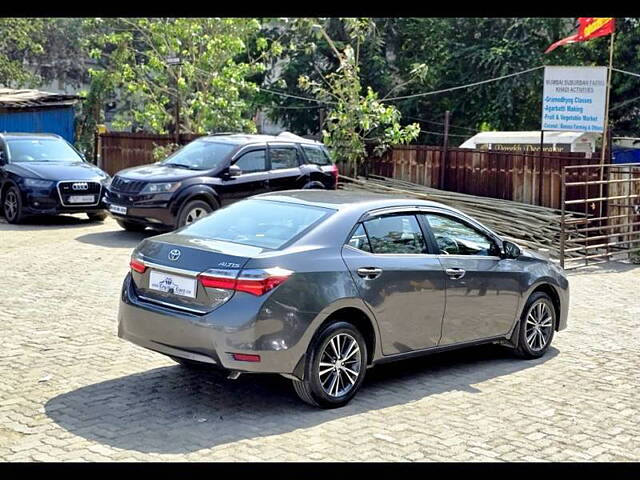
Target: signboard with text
(573, 99)
(525, 147)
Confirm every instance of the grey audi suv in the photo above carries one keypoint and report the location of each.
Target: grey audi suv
(320, 285)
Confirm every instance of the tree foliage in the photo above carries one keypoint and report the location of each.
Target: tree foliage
(460, 51)
(211, 85)
(354, 118)
(19, 38)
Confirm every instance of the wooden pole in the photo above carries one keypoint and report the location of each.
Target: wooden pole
(443, 159)
(540, 169)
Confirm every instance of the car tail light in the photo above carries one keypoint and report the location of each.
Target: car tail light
(336, 173)
(225, 279)
(137, 265)
(243, 357)
(256, 281)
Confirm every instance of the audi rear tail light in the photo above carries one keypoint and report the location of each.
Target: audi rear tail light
(256, 281)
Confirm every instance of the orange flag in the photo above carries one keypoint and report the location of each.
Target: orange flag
(589, 28)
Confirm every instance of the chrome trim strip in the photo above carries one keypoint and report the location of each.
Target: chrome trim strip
(172, 305)
(98, 195)
(179, 271)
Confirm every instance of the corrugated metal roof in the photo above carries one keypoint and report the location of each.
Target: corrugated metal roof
(11, 98)
(526, 137)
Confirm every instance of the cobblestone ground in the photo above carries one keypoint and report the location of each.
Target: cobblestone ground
(70, 390)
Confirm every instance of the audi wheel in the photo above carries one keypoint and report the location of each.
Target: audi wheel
(12, 206)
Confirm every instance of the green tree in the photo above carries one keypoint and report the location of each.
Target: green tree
(19, 38)
(212, 86)
(355, 119)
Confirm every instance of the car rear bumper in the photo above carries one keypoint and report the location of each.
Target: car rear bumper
(209, 338)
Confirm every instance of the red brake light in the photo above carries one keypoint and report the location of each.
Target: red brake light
(217, 282)
(137, 265)
(336, 173)
(259, 287)
(255, 282)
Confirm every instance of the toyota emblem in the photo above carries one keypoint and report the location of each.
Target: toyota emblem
(174, 254)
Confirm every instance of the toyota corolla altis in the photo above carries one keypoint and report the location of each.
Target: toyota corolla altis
(318, 286)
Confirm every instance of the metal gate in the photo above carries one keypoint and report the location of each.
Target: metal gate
(609, 198)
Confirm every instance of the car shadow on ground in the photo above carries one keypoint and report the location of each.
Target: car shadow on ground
(116, 238)
(174, 410)
(47, 222)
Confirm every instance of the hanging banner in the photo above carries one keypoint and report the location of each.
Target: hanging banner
(573, 99)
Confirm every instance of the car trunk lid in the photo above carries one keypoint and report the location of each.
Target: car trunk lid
(172, 264)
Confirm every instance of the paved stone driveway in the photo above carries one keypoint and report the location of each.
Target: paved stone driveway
(71, 390)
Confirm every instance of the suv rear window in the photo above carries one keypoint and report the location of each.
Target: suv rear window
(258, 223)
(316, 154)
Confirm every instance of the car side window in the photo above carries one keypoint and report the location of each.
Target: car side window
(316, 155)
(454, 237)
(360, 240)
(395, 234)
(255, 161)
(282, 157)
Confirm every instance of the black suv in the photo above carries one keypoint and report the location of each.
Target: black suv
(213, 171)
(42, 173)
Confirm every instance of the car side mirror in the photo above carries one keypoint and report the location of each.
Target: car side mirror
(234, 171)
(2, 158)
(510, 250)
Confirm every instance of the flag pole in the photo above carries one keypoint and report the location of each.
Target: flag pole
(606, 111)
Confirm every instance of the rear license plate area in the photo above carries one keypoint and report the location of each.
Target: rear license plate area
(172, 284)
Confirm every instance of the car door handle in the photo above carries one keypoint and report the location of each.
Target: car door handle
(455, 273)
(369, 273)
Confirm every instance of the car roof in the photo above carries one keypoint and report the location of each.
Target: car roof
(10, 135)
(247, 138)
(347, 199)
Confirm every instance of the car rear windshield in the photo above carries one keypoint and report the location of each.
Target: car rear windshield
(41, 150)
(200, 155)
(258, 223)
(316, 154)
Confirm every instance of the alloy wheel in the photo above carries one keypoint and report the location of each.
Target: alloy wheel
(539, 326)
(339, 366)
(195, 214)
(10, 205)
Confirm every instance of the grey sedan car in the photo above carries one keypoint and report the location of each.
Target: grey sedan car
(318, 286)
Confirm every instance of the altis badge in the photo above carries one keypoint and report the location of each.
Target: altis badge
(229, 265)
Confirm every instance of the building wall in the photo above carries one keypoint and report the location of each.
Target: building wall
(45, 120)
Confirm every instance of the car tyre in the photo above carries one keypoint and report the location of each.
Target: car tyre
(537, 326)
(97, 216)
(315, 185)
(192, 211)
(131, 226)
(12, 206)
(326, 385)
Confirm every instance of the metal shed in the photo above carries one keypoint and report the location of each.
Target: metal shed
(529, 141)
(33, 111)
